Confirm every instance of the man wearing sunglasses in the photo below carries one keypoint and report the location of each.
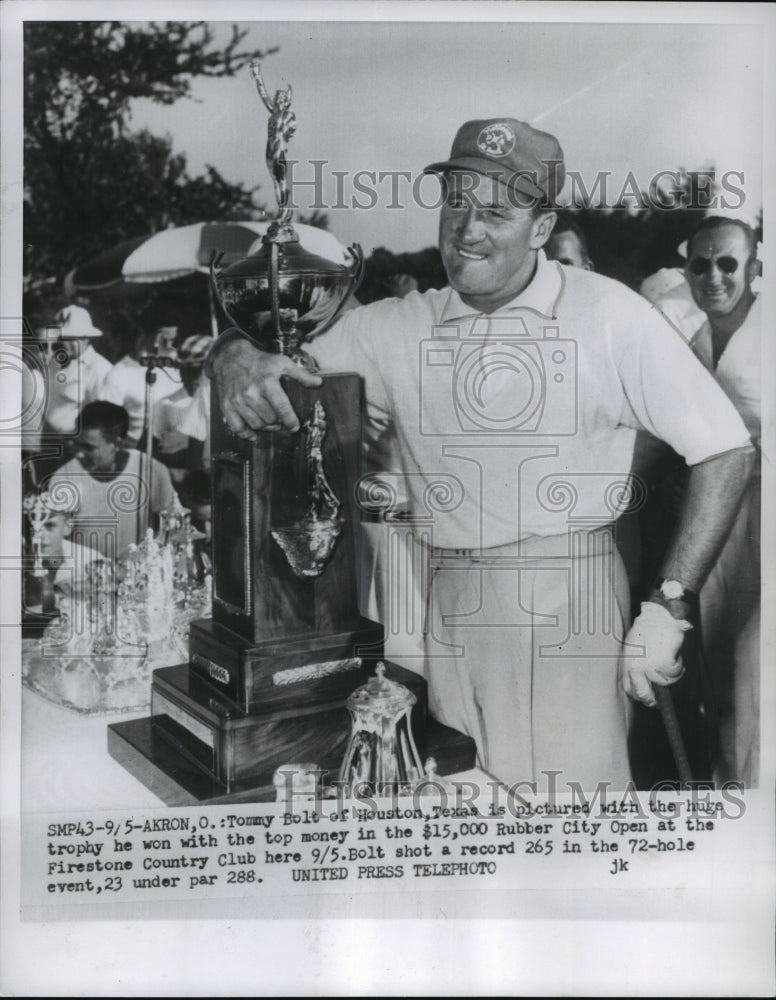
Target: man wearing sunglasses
(721, 266)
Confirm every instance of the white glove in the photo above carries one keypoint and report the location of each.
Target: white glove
(649, 653)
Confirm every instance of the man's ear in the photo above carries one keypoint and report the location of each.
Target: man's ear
(754, 269)
(68, 527)
(542, 229)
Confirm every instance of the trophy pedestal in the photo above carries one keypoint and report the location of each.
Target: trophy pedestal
(254, 675)
(197, 746)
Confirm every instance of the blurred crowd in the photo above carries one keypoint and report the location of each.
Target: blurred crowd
(109, 452)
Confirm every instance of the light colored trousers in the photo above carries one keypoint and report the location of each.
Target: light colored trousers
(522, 646)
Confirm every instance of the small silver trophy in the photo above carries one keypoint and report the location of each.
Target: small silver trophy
(381, 756)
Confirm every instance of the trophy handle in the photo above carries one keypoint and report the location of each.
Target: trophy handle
(216, 256)
(359, 266)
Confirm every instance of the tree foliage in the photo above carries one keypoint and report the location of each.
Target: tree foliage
(89, 181)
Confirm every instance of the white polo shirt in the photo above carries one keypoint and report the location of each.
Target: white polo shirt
(522, 422)
(125, 384)
(739, 369)
(71, 388)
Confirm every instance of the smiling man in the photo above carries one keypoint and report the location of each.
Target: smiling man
(721, 266)
(515, 396)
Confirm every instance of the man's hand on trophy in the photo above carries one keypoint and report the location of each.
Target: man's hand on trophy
(249, 390)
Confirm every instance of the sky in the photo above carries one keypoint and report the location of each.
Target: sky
(375, 96)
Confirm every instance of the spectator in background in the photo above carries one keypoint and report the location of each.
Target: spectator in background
(108, 483)
(125, 385)
(721, 267)
(568, 244)
(669, 290)
(65, 561)
(73, 373)
(182, 420)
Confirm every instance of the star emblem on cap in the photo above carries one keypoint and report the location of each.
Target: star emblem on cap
(496, 140)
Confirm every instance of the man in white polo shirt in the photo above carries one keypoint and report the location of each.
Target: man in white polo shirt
(75, 371)
(126, 385)
(721, 268)
(515, 396)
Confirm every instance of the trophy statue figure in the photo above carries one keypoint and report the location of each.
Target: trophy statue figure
(308, 543)
(281, 127)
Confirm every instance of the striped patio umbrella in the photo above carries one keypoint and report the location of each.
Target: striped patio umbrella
(175, 253)
(164, 256)
(181, 251)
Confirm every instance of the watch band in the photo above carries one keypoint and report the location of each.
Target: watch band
(674, 590)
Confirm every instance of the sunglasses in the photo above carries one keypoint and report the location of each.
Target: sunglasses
(700, 265)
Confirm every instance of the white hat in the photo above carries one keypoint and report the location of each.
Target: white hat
(74, 322)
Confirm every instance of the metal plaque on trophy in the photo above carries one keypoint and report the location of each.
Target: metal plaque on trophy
(271, 672)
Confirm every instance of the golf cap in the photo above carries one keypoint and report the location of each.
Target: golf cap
(75, 322)
(514, 153)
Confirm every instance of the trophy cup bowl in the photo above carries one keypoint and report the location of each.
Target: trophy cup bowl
(290, 287)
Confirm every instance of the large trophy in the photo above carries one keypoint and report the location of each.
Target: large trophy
(271, 673)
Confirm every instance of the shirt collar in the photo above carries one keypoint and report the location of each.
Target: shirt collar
(701, 339)
(541, 295)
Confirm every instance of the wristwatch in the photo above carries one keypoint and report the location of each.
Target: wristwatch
(673, 590)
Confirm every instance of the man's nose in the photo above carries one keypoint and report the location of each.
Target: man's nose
(470, 226)
(715, 274)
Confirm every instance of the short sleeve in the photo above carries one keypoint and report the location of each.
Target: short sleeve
(670, 394)
(163, 492)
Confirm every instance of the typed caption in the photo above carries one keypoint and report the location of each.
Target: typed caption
(362, 845)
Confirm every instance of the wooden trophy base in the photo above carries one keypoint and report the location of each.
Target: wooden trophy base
(255, 674)
(198, 747)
